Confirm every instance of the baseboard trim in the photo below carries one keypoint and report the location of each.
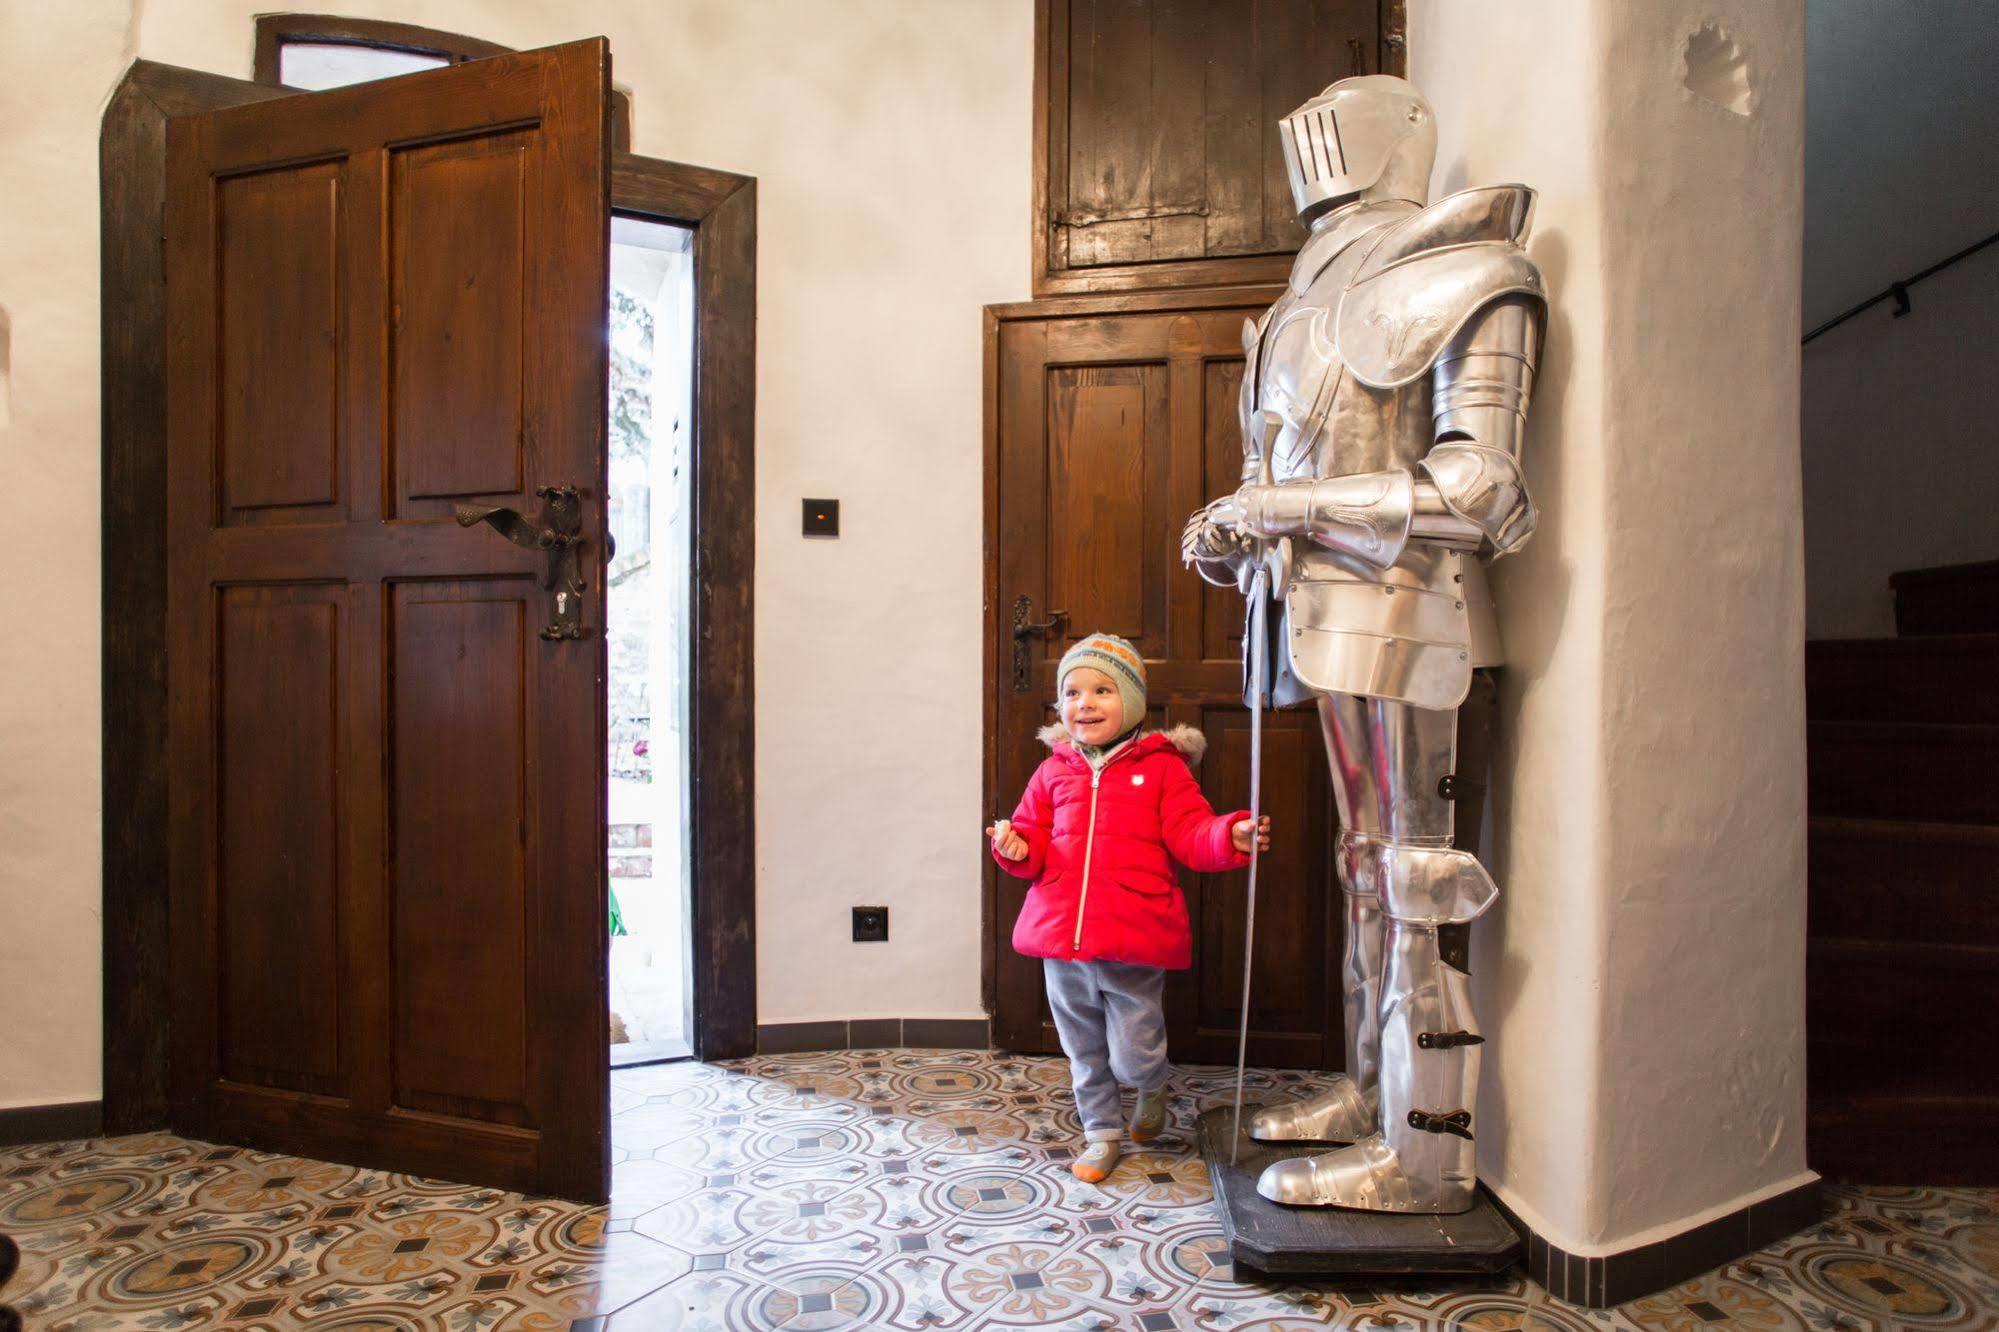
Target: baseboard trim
(51, 1123)
(1618, 1278)
(875, 1034)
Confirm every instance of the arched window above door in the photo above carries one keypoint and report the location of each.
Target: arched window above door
(319, 51)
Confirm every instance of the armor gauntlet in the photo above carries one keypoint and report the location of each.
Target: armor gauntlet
(1220, 555)
(1480, 388)
(1367, 515)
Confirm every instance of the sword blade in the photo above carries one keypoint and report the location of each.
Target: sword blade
(1259, 644)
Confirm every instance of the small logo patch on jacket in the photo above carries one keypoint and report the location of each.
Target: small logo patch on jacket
(1138, 779)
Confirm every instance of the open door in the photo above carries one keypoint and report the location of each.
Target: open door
(386, 743)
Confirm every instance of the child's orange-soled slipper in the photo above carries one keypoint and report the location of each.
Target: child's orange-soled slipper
(1094, 1166)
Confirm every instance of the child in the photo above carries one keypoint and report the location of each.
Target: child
(1093, 832)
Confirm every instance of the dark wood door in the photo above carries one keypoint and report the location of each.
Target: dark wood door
(1109, 423)
(386, 821)
(1156, 152)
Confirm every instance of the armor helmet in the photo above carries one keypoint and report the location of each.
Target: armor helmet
(1374, 135)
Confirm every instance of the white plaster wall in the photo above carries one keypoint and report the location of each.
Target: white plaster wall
(1703, 1101)
(890, 140)
(57, 65)
(1643, 978)
(1536, 960)
(1900, 464)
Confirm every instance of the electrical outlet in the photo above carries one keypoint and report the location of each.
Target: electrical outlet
(870, 924)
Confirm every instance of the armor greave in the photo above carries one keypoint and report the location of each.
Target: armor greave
(1346, 1111)
(1423, 1157)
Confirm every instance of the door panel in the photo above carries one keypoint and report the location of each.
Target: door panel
(1106, 489)
(1110, 430)
(387, 890)
(278, 343)
(1293, 991)
(278, 880)
(458, 290)
(460, 655)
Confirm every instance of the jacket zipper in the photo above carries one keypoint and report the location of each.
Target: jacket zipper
(1089, 847)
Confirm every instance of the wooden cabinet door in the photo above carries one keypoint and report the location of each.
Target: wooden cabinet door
(1108, 424)
(1155, 132)
(387, 824)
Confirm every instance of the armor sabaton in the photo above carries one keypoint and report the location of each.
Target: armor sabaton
(1383, 401)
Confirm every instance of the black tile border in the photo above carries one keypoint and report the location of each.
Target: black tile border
(1618, 1278)
(875, 1034)
(51, 1123)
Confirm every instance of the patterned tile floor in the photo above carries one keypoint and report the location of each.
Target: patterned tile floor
(861, 1191)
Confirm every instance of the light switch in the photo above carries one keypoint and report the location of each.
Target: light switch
(822, 518)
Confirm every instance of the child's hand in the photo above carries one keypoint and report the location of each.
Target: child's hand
(1006, 841)
(1239, 835)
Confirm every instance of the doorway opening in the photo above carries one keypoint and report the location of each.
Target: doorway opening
(646, 618)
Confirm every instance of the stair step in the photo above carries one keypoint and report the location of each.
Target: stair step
(1952, 599)
(1893, 1018)
(1946, 679)
(1903, 770)
(1899, 881)
(1903, 1140)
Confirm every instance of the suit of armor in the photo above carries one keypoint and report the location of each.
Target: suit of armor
(1383, 402)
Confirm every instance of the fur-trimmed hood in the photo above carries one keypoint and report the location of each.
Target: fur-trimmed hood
(1187, 739)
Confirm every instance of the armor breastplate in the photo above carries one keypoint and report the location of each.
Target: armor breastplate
(1342, 362)
(1333, 424)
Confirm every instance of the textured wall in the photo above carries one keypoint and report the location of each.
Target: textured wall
(1643, 977)
(57, 66)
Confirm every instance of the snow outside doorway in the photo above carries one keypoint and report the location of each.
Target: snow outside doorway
(651, 343)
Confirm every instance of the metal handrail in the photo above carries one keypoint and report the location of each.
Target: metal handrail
(1899, 291)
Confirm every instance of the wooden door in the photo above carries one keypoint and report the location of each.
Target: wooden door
(387, 845)
(1156, 155)
(1109, 422)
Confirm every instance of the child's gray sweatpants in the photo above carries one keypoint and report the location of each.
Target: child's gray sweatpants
(1113, 1030)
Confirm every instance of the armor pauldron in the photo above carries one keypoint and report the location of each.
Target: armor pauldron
(1487, 213)
(1393, 325)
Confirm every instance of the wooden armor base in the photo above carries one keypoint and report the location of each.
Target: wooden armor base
(1334, 1241)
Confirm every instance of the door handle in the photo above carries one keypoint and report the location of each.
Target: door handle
(1024, 629)
(558, 530)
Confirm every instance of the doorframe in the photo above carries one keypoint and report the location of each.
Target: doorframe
(721, 209)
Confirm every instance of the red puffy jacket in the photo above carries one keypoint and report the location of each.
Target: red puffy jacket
(1097, 850)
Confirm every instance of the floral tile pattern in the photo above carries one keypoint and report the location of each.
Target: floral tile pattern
(856, 1191)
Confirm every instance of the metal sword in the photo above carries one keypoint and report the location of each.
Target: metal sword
(1259, 644)
(1258, 640)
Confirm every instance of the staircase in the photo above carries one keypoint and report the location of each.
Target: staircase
(1903, 765)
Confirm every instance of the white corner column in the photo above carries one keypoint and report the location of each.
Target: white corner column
(1642, 980)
